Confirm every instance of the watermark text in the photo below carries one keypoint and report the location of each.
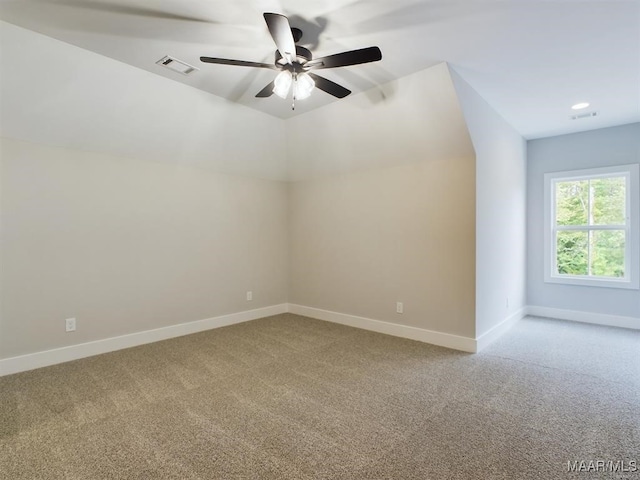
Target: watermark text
(608, 466)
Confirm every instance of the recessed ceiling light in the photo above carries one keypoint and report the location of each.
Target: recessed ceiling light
(580, 106)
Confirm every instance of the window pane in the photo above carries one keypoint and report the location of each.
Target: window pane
(572, 203)
(607, 253)
(608, 201)
(572, 253)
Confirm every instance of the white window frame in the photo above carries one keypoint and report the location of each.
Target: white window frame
(632, 227)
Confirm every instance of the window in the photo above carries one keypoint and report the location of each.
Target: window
(591, 227)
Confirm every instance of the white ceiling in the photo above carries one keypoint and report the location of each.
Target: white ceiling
(531, 60)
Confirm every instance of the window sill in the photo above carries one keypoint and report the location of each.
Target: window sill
(592, 282)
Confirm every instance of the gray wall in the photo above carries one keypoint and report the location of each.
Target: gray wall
(146, 234)
(363, 240)
(501, 163)
(126, 245)
(596, 148)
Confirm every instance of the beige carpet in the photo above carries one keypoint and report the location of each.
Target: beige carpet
(289, 397)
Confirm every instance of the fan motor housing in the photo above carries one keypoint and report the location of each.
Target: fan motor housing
(303, 55)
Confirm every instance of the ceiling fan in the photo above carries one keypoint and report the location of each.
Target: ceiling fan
(296, 63)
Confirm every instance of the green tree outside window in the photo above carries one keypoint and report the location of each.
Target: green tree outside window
(590, 218)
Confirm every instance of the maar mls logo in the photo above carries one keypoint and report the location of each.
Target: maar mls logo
(619, 466)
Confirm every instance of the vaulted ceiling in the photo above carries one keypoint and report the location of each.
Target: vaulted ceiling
(531, 60)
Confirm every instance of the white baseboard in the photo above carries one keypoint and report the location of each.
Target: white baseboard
(466, 344)
(500, 329)
(75, 352)
(585, 317)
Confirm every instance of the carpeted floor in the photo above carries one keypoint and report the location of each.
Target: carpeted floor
(288, 397)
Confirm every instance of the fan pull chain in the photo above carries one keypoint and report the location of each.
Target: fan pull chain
(293, 97)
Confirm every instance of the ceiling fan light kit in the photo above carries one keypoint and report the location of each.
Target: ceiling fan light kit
(302, 83)
(282, 84)
(296, 62)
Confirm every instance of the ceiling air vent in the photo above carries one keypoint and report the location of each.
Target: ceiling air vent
(176, 65)
(583, 115)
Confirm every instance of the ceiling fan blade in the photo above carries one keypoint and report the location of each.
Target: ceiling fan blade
(241, 63)
(266, 91)
(280, 31)
(328, 86)
(344, 59)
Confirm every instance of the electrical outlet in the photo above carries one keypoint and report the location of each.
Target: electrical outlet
(70, 324)
(399, 307)
(249, 296)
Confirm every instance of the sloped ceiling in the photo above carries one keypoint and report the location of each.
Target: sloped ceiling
(415, 119)
(89, 102)
(77, 99)
(531, 60)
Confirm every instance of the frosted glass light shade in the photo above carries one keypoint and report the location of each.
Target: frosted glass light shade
(303, 86)
(282, 84)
